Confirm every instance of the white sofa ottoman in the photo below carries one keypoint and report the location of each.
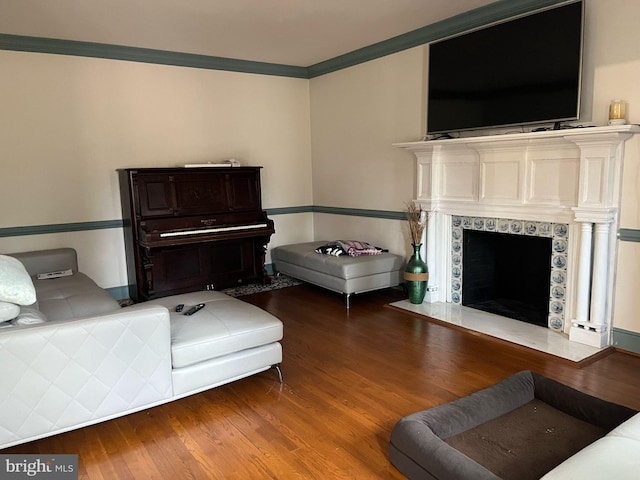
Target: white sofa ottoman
(226, 340)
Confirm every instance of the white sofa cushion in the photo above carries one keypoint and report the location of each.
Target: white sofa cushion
(614, 456)
(16, 285)
(8, 311)
(73, 297)
(42, 261)
(225, 325)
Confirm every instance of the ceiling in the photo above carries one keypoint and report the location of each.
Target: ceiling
(289, 32)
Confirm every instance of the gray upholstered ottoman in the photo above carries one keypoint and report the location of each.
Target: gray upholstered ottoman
(521, 427)
(343, 274)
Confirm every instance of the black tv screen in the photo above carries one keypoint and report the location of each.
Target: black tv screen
(521, 71)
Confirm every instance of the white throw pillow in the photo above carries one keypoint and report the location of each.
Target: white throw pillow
(16, 285)
(8, 311)
(29, 316)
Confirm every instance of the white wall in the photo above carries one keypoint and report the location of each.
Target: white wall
(613, 50)
(356, 115)
(68, 123)
(359, 112)
(389, 234)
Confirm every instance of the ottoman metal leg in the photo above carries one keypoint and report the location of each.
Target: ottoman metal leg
(277, 367)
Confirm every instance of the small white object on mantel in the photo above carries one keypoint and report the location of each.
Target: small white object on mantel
(227, 162)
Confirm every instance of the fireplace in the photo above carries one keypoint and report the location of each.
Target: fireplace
(560, 188)
(513, 268)
(507, 275)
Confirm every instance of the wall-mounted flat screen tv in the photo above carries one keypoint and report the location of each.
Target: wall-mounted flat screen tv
(521, 71)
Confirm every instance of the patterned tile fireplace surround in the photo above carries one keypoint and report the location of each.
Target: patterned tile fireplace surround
(561, 184)
(558, 232)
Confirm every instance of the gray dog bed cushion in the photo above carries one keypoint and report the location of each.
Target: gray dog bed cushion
(495, 433)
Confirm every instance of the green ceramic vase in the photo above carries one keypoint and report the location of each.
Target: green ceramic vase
(416, 275)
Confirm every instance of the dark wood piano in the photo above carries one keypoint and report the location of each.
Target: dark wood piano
(189, 229)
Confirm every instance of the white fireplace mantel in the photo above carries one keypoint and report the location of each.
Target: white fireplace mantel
(569, 176)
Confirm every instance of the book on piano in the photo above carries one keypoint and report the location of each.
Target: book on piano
(229, 162)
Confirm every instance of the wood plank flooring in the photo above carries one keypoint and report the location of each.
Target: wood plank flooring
(347, 379)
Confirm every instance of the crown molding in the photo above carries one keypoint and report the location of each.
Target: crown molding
(145, 55)
(494, 12)
(478, 17)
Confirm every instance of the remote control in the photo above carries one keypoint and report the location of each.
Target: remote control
(61, 273)
(179, 307)
(193, 310)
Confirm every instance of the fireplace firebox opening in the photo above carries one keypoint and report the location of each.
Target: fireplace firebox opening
(507, 275)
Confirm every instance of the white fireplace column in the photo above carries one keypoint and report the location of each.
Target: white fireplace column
(590, 325)
(600, 282)
(592, 286)
(598, 203)
(584, 273)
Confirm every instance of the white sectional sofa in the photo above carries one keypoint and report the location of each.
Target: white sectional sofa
(76, 358)
(614, 456)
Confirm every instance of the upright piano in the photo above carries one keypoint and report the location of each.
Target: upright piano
(189, 229)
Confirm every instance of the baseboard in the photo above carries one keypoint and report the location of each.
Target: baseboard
(119, 293)
(626, 340)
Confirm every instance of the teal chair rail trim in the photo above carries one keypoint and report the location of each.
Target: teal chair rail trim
(360, 212)
(59, 228)
(625, 234)
(629, 235)
(290, 210)
(106, 224)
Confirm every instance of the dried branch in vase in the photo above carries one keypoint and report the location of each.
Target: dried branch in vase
(417, 217)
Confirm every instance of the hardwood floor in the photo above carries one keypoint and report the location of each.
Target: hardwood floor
(347, 379)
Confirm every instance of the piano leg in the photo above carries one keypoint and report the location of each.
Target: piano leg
(147, 265)
(261, 252)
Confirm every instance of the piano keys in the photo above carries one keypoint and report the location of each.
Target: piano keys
(205, 231)
(189, 229)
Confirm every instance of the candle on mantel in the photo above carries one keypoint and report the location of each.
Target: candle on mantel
(618, 112)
